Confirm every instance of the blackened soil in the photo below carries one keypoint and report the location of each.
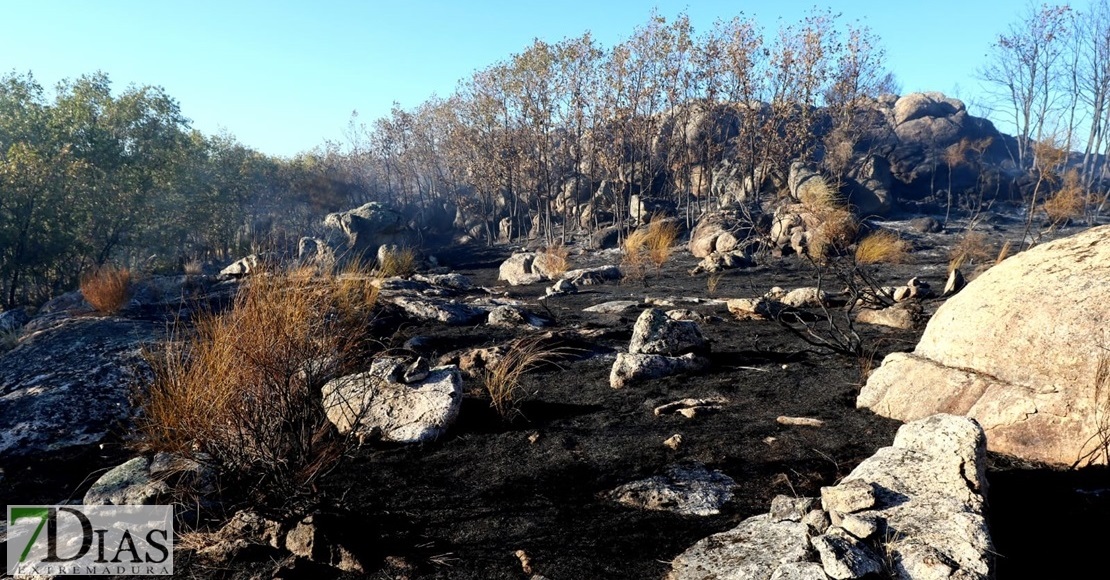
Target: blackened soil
(536, 481)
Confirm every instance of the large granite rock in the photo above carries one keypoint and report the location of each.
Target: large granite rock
(1019, 349)
(914, 510)
(68, 382)
(370, 226)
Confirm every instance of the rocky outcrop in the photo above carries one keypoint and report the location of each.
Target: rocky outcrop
(392, 403)
(448, 312)
(719, 232)
(67, 383)
(370, 226)
(1021, 349)
(914, 510)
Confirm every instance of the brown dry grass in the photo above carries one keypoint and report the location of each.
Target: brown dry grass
(653, 244)
(556, 260)
(883, 247)
(243, 388)
(107, 289)
(972, 248)
(1069, 202)
(837, 229)
(502, 380)
(400, 262)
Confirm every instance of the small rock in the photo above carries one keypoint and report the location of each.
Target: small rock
(850, 496)
(309, 539)
(843, 557)
(862, 526)
(676, 406)
(817, 520)
(673, 442)
(786, 508)
(800, 421)
(754, 308)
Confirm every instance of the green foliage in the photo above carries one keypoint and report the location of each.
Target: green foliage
(93, 176)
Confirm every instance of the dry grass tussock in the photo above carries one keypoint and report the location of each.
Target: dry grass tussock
(107, 289)
(556, 259)
(399, 262)
(837, 229)
(883, 247)
(972, 248)
(502, 380)
(653, 244)
(244, 386)
(1069, 202)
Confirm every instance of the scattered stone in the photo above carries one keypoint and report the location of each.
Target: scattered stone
(673, 442)
(686, 490)
(754, 308)
(533, 438)
(613, 307)
(515, 317)
(800, 421)
(793, 509)
(562, 287)
(453, 280)
(593, 276)
(843, 557)
(310, 539)
(714, 404)
(657, 333)
(926, 225)
(241, 268)
(637, 367)
(805, 298)
(848, 497)
(525, 561)
(373, 404)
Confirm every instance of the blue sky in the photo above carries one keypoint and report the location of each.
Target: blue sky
(284, 76)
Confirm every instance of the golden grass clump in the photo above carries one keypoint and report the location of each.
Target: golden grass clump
(1069, 202)
(651, 244)
(107, 289)
(972, 247)
(397, 262)
(882, 247)
(502, 379)
(243, 386)
(836, 230)
(555, 259)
